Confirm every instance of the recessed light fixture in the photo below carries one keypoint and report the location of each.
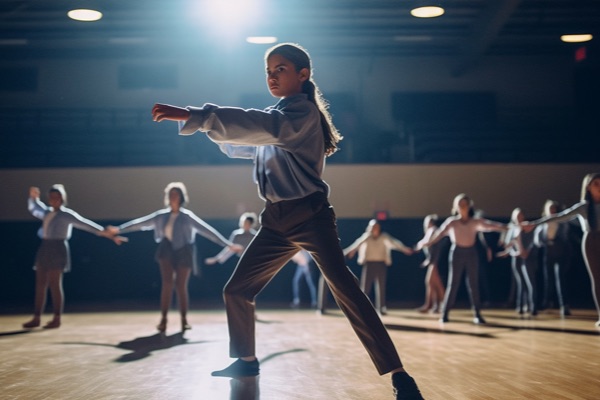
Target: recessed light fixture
(82, 14)
(14, 42)
(576, 38)
(427, 11)
(413, 38)
(261, 39)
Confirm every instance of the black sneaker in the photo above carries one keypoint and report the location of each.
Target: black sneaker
(405, 387)
(239, 368)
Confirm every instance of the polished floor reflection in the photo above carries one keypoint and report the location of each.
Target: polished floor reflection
(119, 355)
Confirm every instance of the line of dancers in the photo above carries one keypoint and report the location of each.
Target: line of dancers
(175, 228)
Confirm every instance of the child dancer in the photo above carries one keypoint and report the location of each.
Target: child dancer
(434, 288)
(462, 229)
(175, 229)
(302, 260)
(519, 244)
(53, 256)
(553, 237)
(588, 212)
(288, 143)
(375, 255)
(242, 237)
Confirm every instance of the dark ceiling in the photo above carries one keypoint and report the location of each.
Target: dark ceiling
(468, 30)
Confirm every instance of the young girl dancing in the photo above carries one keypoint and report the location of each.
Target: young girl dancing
(288, 143)
(588, 212)
(53, 256)
(175, 229)
(462, 229)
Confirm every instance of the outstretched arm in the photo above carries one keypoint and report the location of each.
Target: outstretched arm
(161, 112)
(34, 204)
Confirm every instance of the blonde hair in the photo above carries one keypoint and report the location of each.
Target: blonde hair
(457, 199)
(587, 197)
(514, 217)
(60, 189)
(181, 189)
(248, 216)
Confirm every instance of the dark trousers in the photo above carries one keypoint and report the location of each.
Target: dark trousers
(462, 260)
(374, 273)
(556, 263)
(287, 226)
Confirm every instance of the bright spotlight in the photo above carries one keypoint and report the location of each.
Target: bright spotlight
(85, 15)
(576, 38)
(261, 39)
(427, 12)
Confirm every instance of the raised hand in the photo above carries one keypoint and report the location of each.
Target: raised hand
(34, 192)
(161, 112)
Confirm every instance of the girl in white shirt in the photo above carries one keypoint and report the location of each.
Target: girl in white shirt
(462, 229)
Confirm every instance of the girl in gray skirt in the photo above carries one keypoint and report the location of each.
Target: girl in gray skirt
(175, 229)
(52, 258)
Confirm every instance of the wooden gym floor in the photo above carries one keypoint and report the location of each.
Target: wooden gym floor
(119, 355)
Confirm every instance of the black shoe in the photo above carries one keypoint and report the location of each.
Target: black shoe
(565, 311)
(444, 318)
(405, 387)
(478, 320)
(239, 368)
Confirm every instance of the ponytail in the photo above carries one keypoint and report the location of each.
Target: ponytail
(330, 132)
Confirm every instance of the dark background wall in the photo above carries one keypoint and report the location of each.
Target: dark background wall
(108, 277)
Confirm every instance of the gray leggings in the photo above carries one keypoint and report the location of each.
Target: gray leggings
(462, 260)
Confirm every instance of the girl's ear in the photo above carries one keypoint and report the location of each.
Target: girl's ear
(304, 74)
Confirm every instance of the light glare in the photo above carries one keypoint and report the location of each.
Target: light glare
(427, 12)
(261, 39)
(576, 38)
(85, 15)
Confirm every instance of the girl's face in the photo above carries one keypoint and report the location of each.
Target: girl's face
(375, 230)
(247, 225)
(174, 198)
(594, 189)
(55, 200)
(463, 207)
(282, 78)
(520, 217)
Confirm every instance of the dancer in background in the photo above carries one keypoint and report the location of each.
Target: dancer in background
(53, 256)
(175, 229)
(302, 260)
(375, 255)
(588, 213)
(242, 237)
(434, 288)
(519, 244)
(553, 239)
(462, 228)
(288, 143)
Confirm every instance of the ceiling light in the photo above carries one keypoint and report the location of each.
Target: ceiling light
(261, 39)
(85, 15)
(427, 11)
(413, 38)
(13, 42)
(576, 38)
